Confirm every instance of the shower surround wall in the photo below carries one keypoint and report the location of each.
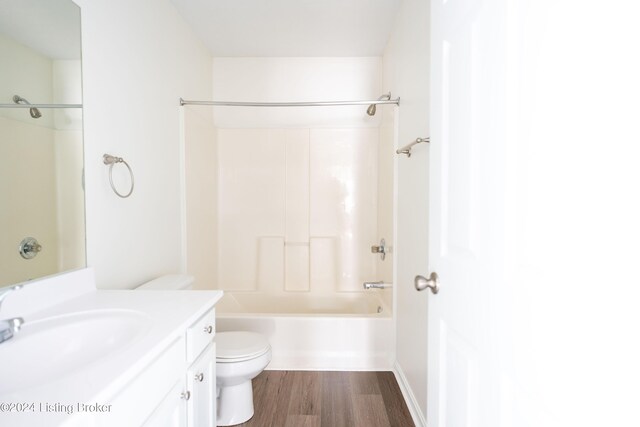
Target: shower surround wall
(285, 201)
(297, 209)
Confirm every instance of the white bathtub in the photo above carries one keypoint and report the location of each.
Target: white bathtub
(309, 332)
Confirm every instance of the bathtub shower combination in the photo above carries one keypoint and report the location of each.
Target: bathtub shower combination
(288, 222)
(348, 334)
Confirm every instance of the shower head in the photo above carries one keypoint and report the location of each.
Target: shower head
(371, 110)
(35, 113)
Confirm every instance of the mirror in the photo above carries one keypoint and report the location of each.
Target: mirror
(42, 223)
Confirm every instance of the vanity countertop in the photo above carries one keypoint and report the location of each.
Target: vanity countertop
(164, 315)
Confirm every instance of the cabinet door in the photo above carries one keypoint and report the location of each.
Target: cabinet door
(201, 382)
(172, 411)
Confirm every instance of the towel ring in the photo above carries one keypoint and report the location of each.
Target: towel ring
(110, 160)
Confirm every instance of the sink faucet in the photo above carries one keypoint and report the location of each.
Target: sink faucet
(9, 327)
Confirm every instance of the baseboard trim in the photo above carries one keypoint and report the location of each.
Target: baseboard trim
(328, 361)
(409, 398)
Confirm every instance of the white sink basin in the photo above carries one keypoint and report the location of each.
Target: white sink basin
(52, 348)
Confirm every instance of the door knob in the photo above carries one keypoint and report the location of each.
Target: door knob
(432, 283)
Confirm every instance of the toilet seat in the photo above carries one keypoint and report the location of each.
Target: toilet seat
(240, 346)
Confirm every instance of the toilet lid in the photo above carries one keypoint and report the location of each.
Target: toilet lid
(240, 345)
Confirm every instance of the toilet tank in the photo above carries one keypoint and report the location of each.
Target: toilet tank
(170, 282)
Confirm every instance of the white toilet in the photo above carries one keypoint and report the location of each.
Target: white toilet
(240, 357)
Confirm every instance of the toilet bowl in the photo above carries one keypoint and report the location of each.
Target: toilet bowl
(240, 357)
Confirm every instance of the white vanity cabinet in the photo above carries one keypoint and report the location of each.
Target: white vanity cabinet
(139, 358)
(201, 383)
(191, 402)
(172, 412)
(201, 375)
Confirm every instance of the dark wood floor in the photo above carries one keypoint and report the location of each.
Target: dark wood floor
(328, 399)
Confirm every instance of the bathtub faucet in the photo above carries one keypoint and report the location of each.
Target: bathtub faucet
(375, 285)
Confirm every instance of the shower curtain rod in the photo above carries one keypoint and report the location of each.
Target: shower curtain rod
(288, 104)
(40, 105)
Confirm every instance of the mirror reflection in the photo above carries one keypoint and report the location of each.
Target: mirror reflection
(42, 226)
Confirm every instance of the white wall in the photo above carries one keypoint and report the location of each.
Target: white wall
(27, 153)
(27, 73)
(69, 163)
(139, 58)
(70, 197)
(67, 89)
(295, 79)
(406, 72)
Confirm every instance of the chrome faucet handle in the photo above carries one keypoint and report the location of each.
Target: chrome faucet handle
(29, 248)
(5, 291)
(381, 249)
(9, 327)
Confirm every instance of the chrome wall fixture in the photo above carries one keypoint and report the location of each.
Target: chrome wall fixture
(372, 108)
(35, 113)
(381, 249)
(376, 285)
(110, 160)
(29, 248)
(407, 148)
(395, 101)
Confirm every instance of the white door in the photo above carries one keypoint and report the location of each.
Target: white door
(534, 214)
(462, 225)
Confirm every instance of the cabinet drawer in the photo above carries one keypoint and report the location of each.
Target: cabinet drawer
(200, 335)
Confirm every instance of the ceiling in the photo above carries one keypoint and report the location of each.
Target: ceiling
(288, 28)
(51, 27)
